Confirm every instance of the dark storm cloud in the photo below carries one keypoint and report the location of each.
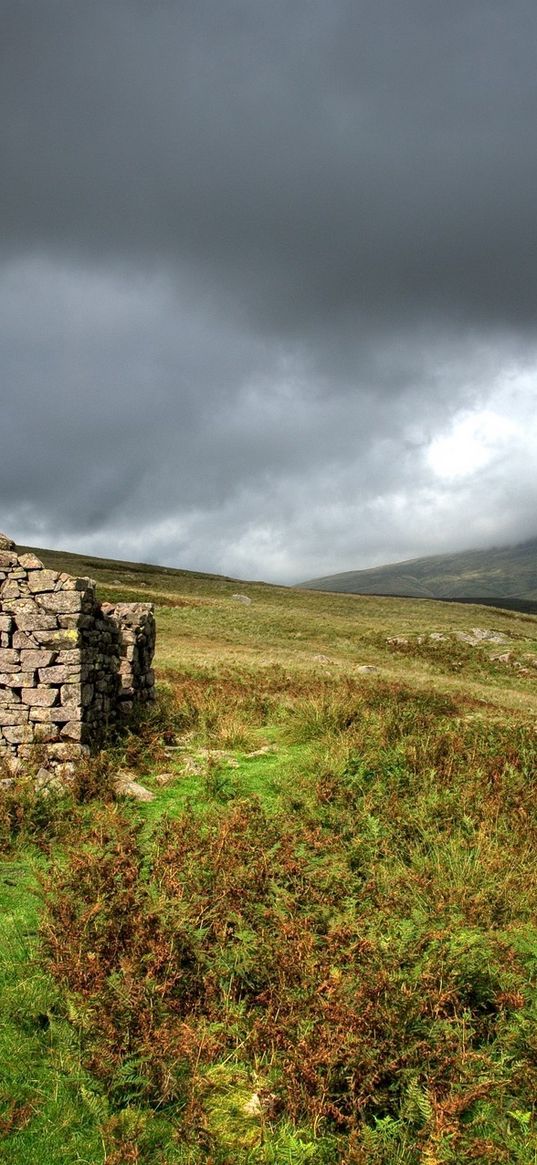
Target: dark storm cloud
(312, 156)
(256, 256)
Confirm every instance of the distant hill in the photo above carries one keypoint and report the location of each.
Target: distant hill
(507, 574)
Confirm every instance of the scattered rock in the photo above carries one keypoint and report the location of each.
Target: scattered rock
(219, 754)
(480, 635)
(128, 788)
(322, 659)
(253, 1106)
(242, 599)
(437, 637)
(397, 641)
(165, 778)
(367, 669)
(47, 782)
(192, 767)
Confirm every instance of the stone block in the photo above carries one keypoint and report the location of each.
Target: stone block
(9, 590)
(66, 674)
(13, 765)
(73, 730)
(71, 694)
(55, 715)
(8, 697)
(30, 562)
(68, 583)
(8, 559)
(31, 751)
(46, 733)
(20, 734)
(23, 641)
(39, 697)
(70, 656)
(65, 750)
(36, 658)
(63, 602)
(23, 605)
(6, 623)
(58, 639)
(66, 770)
(17, 715)
(73, 622)
(42, 581)
(17, 679)
(35, 622)
(128, 637)
(9, 659)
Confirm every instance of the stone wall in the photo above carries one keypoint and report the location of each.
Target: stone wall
(70, 668)
(135, 624)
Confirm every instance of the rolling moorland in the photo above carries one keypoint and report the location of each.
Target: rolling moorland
(507, 573)
(315, 941)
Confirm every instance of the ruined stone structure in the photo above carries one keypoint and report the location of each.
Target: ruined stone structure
(71, 668)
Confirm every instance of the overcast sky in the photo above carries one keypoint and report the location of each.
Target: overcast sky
(268, 279)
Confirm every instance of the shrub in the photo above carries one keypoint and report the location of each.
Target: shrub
(244, 934)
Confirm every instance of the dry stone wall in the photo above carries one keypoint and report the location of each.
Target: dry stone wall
(70, 668)
(135, 624)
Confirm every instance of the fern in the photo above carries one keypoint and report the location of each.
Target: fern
(96, 1104)
(419, 1104)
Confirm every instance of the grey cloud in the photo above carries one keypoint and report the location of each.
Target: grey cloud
(309, 157)
(255, 256)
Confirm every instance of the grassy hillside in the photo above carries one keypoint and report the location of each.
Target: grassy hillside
(505, 572)
(317, 942)
(200, 624)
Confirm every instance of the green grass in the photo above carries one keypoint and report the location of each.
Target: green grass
(51, 1109)
(200, 626)
(317, 943)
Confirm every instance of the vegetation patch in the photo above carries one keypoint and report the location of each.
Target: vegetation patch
(317, 942)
